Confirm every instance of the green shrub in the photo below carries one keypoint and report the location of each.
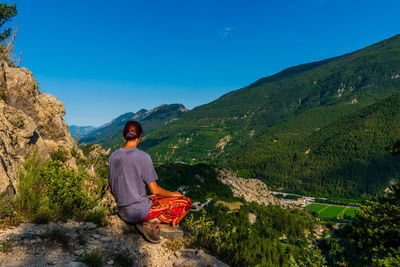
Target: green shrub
(31, 192)
(74, 152)
(8, 216)
(64, 189)
(59, 155)
(52, 191)
(92, 259)
(201, 231)
(97, 215)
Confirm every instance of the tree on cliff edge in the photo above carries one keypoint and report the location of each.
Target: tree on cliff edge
(6, 13)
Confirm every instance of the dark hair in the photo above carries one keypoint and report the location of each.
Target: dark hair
(132, 130)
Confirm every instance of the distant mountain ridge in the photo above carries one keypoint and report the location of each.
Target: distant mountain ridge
(109, 135)
(308, 97)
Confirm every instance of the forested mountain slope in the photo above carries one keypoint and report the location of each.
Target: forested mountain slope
(346, 158)
(342, 85)
(291, 105)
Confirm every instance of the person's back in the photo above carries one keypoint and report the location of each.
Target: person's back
(130, 171)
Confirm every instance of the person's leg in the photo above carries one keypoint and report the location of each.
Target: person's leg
(149, 230)
(168, 209)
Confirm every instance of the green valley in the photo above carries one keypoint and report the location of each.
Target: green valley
(277, 129)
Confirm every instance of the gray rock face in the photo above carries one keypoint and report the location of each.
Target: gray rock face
(29, 120)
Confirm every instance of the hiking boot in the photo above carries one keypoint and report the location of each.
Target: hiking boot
(150, 231)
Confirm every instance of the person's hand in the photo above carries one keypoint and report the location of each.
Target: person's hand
(177, 194)
(155, 189)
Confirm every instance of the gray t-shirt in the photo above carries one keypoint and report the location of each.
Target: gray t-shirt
(129, 171)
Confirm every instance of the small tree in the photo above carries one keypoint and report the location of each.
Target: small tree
(6, 13)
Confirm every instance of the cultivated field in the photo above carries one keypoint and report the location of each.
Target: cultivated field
(330, 211)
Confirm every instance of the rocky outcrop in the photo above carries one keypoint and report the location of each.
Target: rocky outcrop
(29, 121)
(64, 244)
(249, 189)
(18, 135)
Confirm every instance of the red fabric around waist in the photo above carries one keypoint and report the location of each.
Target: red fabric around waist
(168, 209)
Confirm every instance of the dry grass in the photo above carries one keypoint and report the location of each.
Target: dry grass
(175, 244)
(8, 50)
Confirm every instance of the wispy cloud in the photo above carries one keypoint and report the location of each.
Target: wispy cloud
(225, 32)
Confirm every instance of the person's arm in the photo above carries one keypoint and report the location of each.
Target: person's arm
(157, 190)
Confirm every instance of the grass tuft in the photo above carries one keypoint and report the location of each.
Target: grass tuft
(57, 234)
(97, 215)
(92, 259)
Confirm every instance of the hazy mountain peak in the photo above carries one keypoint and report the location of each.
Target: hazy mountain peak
(109, 134)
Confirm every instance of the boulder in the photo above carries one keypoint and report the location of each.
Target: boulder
(197, 258)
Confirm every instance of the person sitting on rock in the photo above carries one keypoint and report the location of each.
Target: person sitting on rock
(129, 171)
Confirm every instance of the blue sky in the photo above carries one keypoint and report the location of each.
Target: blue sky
(105, 58)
